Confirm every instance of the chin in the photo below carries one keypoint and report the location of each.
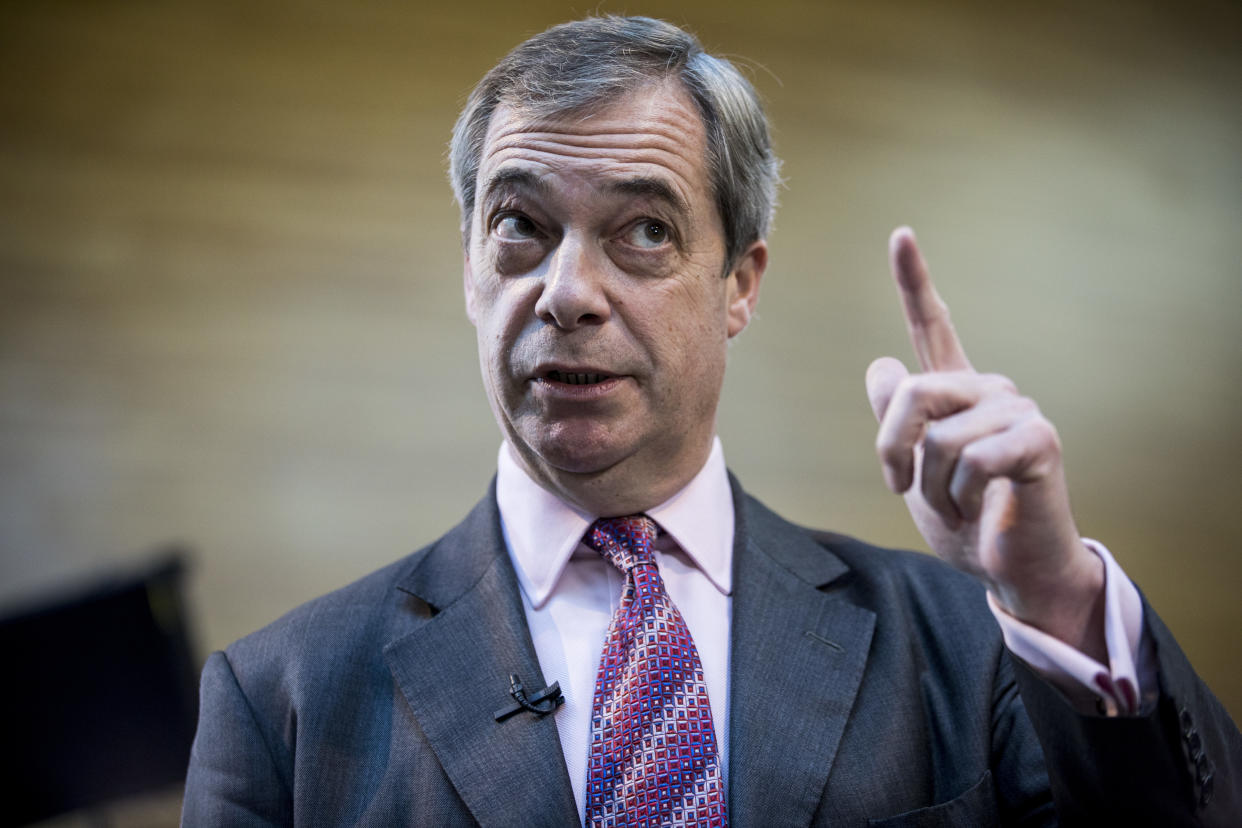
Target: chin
(580, 460)
(576, 451)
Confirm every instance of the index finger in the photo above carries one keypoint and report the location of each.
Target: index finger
(927, 316)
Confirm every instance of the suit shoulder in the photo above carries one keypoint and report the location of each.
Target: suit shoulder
(350, 626)
(341, 626)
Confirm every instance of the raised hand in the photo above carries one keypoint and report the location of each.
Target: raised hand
(980, 469)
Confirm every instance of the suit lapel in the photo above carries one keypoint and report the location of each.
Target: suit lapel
(454, 672)
(798, 656)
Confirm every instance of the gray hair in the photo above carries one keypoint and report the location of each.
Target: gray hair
(576, 67)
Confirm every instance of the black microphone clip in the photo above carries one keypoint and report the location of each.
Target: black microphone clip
(542, 703)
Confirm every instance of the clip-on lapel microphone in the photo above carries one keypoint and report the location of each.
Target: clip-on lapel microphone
(542, 703)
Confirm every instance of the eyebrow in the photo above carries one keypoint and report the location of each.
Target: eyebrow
(512, 180)
(647, 187)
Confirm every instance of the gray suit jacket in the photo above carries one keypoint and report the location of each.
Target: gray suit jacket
(867, 687)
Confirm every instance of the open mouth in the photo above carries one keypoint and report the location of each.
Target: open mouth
(572, 378)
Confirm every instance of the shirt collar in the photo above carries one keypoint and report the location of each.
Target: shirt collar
(542, 531)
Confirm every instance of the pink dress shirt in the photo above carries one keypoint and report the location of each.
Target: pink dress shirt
(570, 592)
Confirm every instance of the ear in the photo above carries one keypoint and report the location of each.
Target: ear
(744, 286)
(467, 281)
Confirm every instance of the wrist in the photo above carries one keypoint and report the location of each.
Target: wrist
(1066, 603)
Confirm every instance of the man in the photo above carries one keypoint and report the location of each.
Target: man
(616, 186)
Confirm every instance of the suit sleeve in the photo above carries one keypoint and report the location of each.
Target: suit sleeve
(233, 779)
(1180, 764)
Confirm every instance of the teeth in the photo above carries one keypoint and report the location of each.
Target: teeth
(575, 378)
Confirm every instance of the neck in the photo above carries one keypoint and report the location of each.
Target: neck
(618, 490)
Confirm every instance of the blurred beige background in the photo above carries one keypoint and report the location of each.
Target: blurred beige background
(230, 308)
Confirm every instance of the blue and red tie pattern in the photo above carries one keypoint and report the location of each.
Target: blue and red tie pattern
(653, 757)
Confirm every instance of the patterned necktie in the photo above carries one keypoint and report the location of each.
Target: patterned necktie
(653, 757)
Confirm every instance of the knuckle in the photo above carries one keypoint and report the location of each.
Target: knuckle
(1002, 383)
(887, 449)
(1025, 407)
(939, 447)
(961, 482)
(908, 391)
(1045, 434)
(972, 462)
(881, 447)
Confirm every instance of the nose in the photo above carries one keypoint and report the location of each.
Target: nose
(573, 290)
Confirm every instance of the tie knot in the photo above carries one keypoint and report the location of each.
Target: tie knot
(625, 541)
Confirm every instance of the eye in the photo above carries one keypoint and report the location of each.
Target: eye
(515, 227)
(648, 234)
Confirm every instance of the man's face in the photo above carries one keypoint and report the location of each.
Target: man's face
(594, 279)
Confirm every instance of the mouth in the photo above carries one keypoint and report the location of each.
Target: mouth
(577, 377)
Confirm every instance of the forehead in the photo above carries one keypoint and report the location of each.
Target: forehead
(654, 134)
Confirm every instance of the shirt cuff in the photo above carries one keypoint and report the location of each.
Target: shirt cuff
(1113, 690)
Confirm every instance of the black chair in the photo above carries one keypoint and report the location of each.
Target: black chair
(99, 696)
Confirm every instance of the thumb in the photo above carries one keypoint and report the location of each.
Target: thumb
(883, 377)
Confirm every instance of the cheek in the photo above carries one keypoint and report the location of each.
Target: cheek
(494, 346)
(702, 336)
(692, 342)
(503, 314)
(702, 315)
